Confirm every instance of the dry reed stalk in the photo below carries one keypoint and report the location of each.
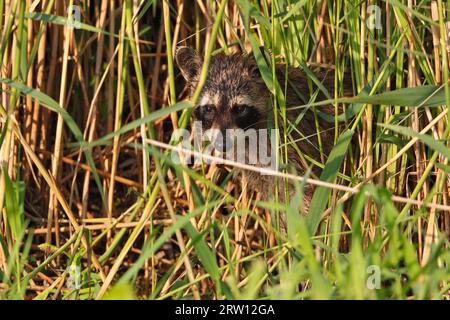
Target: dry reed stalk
(118, 114)
(5, 73)
(93, 109)
(57, 151)
(28, 101)
(145, 159)
(85, 167)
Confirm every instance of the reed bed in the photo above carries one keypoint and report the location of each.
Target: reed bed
(92, 206)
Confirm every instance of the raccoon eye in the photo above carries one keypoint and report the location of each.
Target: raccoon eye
(241, 109)
(204, 112)
(207, 109)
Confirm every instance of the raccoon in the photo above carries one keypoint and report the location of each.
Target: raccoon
(236, 97)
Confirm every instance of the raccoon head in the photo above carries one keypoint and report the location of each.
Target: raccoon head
(234, 95)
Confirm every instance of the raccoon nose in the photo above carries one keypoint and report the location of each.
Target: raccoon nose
(223, 142)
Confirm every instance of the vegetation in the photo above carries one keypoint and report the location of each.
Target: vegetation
(92, 205)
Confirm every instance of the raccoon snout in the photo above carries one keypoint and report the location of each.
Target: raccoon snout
(222, 142)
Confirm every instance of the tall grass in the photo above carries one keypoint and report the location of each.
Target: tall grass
(92, 204)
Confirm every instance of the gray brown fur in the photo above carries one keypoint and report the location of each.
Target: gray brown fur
(234, 80)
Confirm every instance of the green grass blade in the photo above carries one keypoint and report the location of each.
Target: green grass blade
(204, 252)
(427, 139)
(329, 173)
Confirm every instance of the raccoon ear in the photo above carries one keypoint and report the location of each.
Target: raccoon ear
(189, 62)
